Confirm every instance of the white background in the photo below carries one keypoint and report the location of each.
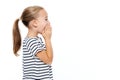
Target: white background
(86, 38)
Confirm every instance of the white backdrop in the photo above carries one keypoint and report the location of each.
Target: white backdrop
(86, 38)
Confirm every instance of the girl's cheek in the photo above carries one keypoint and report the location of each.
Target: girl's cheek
(45, 23)
(44, 26)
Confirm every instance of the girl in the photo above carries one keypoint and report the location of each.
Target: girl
(37, 56)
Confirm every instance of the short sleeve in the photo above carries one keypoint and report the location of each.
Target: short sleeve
(36, 46)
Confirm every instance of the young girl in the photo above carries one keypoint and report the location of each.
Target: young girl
(37, 56)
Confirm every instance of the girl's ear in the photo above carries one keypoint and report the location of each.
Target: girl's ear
(34, 23)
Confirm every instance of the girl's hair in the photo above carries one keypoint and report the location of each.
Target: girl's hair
(28, 14)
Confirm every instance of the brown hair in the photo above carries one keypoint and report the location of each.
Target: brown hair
(28, 14)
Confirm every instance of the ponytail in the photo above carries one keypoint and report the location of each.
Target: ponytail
(16, 37)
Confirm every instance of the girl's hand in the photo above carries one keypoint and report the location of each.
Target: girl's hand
(47, 32)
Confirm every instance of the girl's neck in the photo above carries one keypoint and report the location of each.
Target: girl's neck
(32, 34)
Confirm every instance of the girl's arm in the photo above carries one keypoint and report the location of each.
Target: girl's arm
(47, 55)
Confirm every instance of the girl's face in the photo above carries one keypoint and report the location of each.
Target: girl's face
(42, 21)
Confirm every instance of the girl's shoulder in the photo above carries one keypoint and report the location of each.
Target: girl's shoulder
(29, 40)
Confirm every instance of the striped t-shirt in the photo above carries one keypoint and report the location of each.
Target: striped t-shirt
(33, 67)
